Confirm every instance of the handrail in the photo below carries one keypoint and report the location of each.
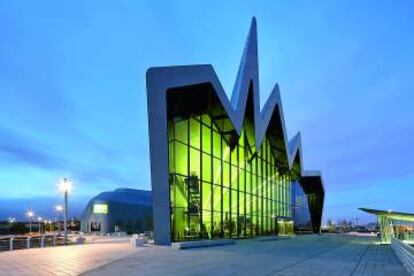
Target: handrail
(10, 243)
(405, 253)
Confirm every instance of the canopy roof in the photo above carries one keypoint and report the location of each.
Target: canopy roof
(312, 182)
(390, 214)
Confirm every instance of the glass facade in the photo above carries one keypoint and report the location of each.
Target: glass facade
(223, 191)
(301, 215)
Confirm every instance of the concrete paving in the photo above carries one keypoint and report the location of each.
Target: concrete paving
(61, 260)
(302, 255)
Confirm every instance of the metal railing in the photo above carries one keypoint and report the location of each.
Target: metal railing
(405, 253)
(406, 236)
(25, 242)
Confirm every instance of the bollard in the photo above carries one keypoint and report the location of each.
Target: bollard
(54, 240)
(28, 242)
(42, 241)
(11, 244)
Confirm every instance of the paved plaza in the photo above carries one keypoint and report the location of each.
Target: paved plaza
(62, 260)
(302, 255)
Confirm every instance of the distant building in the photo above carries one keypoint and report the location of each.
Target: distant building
(393, 224)
(126, 210)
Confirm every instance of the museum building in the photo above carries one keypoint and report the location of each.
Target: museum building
(224, 168)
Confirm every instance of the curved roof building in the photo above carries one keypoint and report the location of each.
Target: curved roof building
(127, 210)
(224, 168)
(393, 224)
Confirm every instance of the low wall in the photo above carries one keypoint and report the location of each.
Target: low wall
(201, 243)
(405, 253)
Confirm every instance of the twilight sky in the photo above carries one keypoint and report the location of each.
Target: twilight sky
(73, 99)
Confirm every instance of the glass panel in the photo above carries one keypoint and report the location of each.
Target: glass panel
(217, 225)
(181, 159)
(194, 133)
(206, 202)
(241, 203)
(241, 180)
(216, 145)
(194, 162)
(226, 174)
(234, 201)
(207, 167)
(217, 198)
(217, 171)
(206, 226)
(206, 139)
(181, 130)
(171, 156)
(179, 225)
(226, 200)
(234, 178)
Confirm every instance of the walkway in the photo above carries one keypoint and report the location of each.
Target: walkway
(303, 255)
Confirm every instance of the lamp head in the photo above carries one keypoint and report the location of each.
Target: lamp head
(65, 185)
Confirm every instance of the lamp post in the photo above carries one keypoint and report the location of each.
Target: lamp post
(39, 219)
(59, 209)
(30, 214)
(65, 185)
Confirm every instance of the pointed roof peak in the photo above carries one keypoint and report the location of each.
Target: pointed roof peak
(294, 145)
(253, 24)
(297, 136)
(252, 37)
(248, 68)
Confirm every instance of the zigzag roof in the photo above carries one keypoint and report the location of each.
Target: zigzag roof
(160, 79)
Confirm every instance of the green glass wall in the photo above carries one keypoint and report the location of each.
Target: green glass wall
(218, 192)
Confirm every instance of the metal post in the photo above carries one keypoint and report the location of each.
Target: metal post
(58, 213)
(42, 241)
(54, 240)
(11, 244)
(28, 242)
(65, 217)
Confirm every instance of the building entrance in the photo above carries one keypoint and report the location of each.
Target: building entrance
(95, 226)
(284, 227)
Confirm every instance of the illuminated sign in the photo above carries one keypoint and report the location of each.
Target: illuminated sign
(100, 209)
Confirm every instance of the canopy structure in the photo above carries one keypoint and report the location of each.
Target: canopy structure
(312, 184)
(393, 224)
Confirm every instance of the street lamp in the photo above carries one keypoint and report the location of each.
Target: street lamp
(59, 209)
(30, 214)
(39, 219)
(65, 186)
(45, 221)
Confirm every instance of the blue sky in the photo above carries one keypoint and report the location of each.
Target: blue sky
(72, 90)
